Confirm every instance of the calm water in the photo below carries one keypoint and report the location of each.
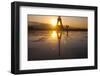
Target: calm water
(46, 45)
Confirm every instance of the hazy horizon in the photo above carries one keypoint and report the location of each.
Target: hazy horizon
(72, 21)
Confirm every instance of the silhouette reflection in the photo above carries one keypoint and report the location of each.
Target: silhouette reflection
(59, 35)
(67, 33)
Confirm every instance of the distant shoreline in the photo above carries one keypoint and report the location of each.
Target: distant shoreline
(56, 30)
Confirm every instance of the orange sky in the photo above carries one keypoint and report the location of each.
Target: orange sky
(72, 21)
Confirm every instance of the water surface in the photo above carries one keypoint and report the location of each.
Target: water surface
(46, 45)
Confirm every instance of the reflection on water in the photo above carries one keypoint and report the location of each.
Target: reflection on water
(46, 45)
(54, 34)
(59, 35)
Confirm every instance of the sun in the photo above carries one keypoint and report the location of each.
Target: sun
(53, 22)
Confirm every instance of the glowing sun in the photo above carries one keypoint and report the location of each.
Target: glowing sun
(53, 22)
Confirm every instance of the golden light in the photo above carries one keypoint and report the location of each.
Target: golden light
(54, 34)
(53, 22)
(59, 23)
(59, 34)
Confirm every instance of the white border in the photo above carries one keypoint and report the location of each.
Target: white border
(26, 65)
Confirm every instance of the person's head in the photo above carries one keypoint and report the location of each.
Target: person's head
(59, 16)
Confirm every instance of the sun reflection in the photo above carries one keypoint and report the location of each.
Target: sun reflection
(54, 34)
(59, 34)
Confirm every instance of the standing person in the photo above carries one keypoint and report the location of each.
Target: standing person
(59, 23)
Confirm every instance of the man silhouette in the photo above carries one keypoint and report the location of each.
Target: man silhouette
(59, 23)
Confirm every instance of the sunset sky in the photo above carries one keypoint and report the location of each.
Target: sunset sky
(72, 21)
